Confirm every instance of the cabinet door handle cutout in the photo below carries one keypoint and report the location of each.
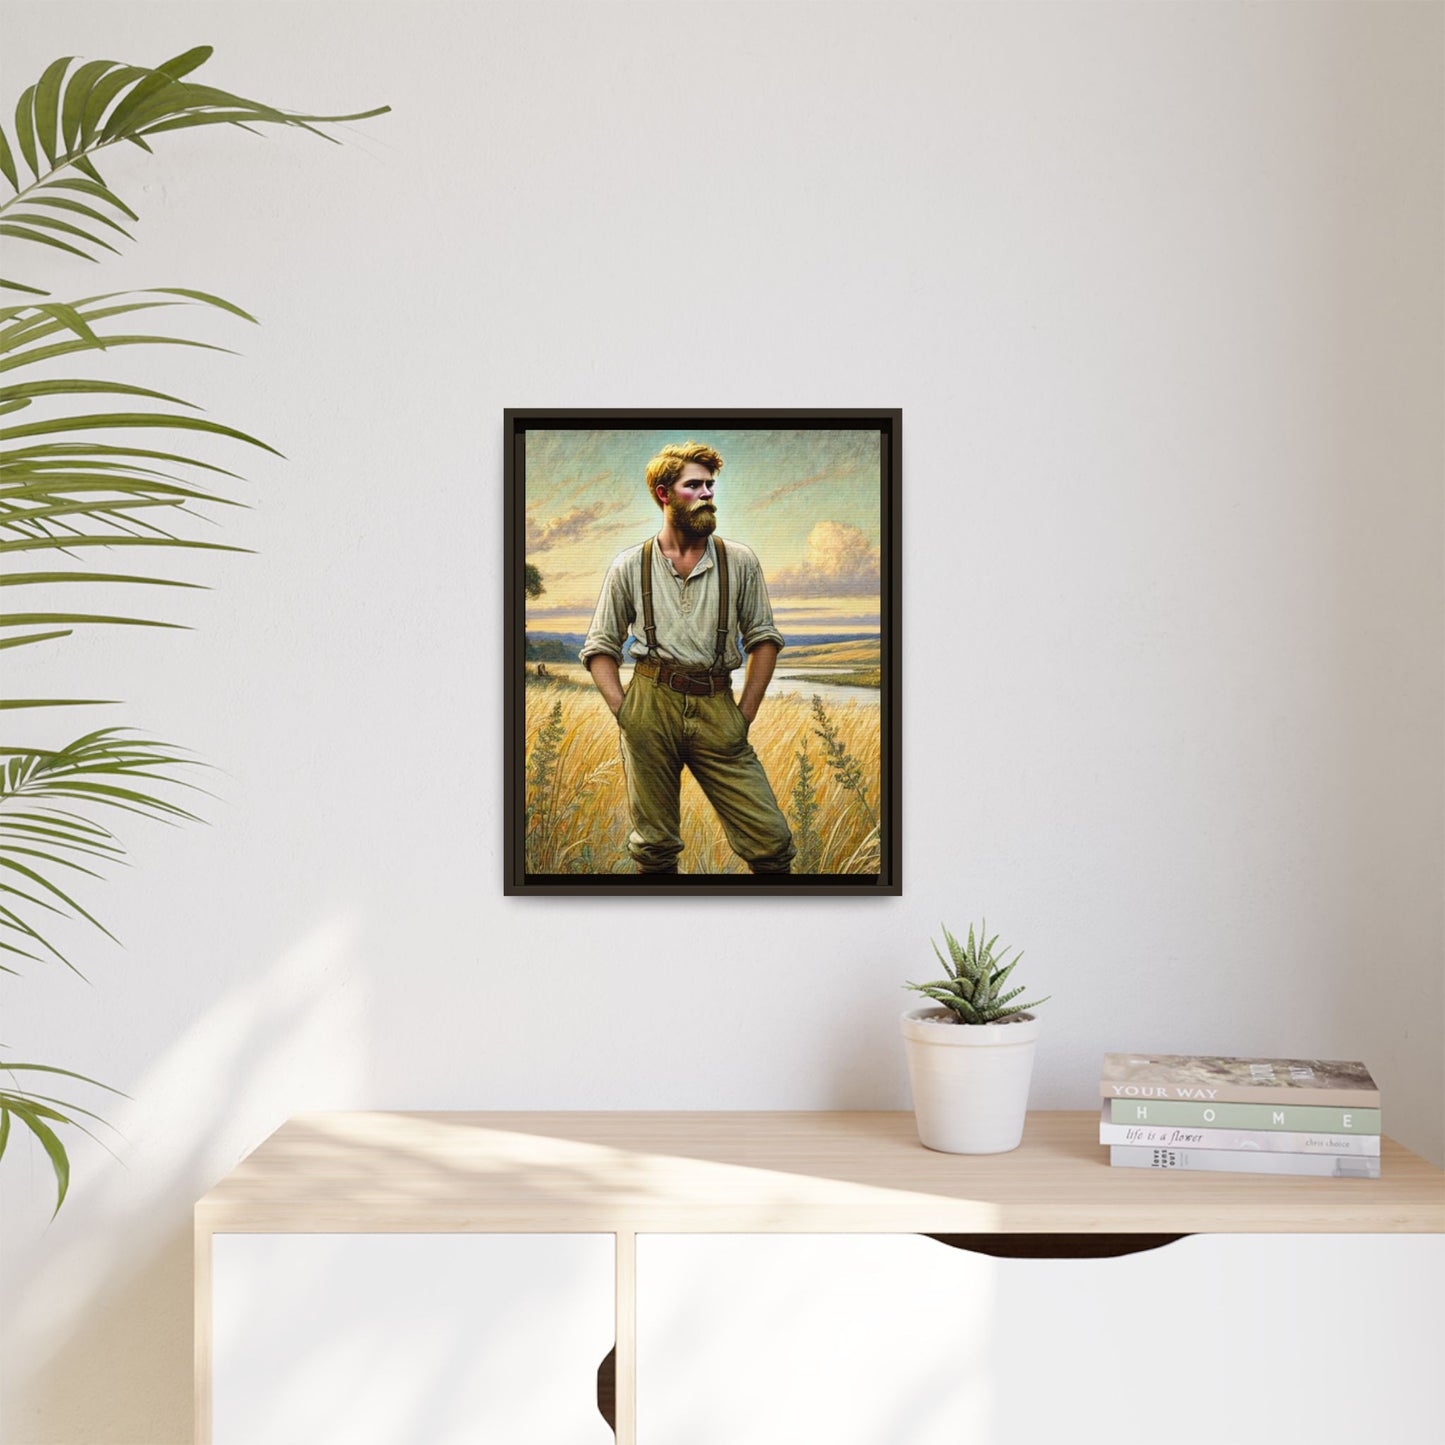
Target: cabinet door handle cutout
(1056, 1246)
(607, 1389)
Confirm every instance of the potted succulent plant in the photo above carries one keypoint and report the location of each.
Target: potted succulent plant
(971, 1057)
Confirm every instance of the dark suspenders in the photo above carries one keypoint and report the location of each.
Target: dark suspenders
(719, 662)
(649, 621)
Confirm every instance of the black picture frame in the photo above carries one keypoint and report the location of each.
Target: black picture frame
(517, 424)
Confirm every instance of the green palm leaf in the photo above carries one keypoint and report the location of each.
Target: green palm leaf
(91, 188)
(47, 108)
(24, 233)
(8, 704)
(30, 1115)
(77, 89)
(31, 390)
(45, 579)
(39, 1113)
(7, 167)
(25, 130)
(107, 768)
(116, 420)
(62, 492)
(61, 123)
(64, 489)
(79, 208)
(31, 638)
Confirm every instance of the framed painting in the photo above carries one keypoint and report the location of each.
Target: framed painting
(702, 652)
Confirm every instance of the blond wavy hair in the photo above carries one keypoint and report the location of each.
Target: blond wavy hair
(666, 467)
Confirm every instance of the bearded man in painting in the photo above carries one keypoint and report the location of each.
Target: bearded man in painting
(686, 596)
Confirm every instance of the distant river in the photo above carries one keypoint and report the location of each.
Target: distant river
(789, 679)
(798, 680)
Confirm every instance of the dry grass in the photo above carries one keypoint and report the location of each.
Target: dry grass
(577, 799)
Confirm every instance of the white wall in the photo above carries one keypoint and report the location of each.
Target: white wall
(1159, 290)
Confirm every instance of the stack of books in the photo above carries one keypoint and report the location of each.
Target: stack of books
(1244, 1116)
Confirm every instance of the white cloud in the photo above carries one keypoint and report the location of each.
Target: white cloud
(580, 524)
(838, 561)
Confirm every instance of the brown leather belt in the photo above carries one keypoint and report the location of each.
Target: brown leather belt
(693, 682)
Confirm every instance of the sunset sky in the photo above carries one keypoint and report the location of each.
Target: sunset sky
(807, 502)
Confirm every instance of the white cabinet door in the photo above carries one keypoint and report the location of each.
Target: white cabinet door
(900, 1340)
(396, 1339)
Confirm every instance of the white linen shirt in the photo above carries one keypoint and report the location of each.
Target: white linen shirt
(683, 608)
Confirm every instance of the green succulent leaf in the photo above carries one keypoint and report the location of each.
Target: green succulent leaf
(1029, 1007)
(975, 988)
(948, 967)
(1004, 972)
(958, 954)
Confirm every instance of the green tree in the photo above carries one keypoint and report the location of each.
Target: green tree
(532, 581)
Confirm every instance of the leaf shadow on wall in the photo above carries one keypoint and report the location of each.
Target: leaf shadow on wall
(99, 1305)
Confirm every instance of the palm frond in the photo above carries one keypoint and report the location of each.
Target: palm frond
(41, 1113)
(74, 111)
(109, 768)
(61, 491)
(64, 490)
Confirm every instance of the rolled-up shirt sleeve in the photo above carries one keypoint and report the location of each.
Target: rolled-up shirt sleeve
(613, 617)
(755, 611)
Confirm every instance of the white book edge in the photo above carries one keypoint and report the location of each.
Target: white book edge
(1233, 1161)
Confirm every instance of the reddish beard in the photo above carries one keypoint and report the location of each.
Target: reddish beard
(698, 520)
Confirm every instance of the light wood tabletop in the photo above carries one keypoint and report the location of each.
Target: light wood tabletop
(763, 1172)
(630, 1174)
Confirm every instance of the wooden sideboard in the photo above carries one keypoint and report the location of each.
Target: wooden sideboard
(627, 1175)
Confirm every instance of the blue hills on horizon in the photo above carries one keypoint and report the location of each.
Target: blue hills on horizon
(549, 646)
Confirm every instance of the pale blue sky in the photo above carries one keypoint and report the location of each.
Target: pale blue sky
(807, 502)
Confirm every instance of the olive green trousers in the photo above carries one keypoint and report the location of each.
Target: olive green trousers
(665, 731)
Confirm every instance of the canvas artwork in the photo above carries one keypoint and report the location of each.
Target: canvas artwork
(702, 668)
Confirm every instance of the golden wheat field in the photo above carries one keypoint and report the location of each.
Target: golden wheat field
(577, 800)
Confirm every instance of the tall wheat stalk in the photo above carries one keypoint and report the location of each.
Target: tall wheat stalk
(588, 833)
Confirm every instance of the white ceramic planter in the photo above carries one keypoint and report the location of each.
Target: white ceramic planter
(970, 1081)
